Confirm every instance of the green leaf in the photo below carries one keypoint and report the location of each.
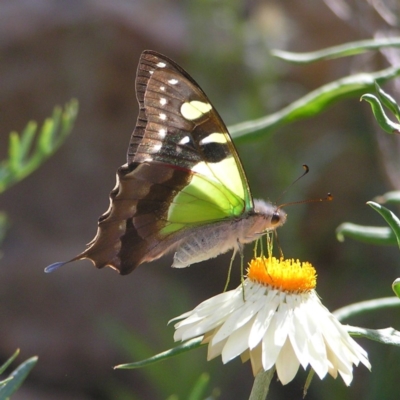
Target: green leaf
(182, 348)
(396, 287)
(366, 234)
(389, 217)
(313, 103)
(308, 381)
(3, 226)
(199, 389)
(28, 150)
(18, 376)
(9, 361)
(392, 197)
(388, 101)
(377, 104)
(343, 50)
(384, 336)
(363, 307)
(384, 122)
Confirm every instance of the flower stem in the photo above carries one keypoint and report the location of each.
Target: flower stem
(261, 384)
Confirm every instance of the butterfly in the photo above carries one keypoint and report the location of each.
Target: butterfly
(183, 187)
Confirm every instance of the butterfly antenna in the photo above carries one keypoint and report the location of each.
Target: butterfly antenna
(306, 170)
(328, 197)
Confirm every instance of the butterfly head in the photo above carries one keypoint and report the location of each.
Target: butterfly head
(272, 216)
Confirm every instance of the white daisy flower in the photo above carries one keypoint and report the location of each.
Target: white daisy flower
(278, 321)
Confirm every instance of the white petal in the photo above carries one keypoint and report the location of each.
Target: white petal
(214, 351)
(236, 343)
(263, 319)
(239, 317)
(287, 363)
(317, 356)
(283, 319)
(256, 359)
(270, 349)
(298, 335)
(345, 371)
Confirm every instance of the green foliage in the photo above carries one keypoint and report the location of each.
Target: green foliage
(163, 379)
(378, 235)
(3, 227)
(10, 385)
(377, 103)
(313, 103)
(28, 150)
(343, 50)
(182, 348)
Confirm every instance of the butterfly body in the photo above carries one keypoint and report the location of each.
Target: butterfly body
(183, 188)
(209, 242)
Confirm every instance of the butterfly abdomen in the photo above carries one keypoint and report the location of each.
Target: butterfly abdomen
(210, 241)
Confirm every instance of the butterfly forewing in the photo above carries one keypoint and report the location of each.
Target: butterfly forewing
(178, 125)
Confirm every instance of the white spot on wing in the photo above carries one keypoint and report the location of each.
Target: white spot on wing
(161, 65)
(184, 140)
(163, 117)
(173, 81)
(213, 138)
(162, 132)
(162, 88)
(163, 101)
(156, 148)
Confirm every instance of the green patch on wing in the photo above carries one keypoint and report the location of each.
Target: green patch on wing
(202, 201)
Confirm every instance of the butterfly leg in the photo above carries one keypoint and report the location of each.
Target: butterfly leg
(228, 278)
(240, 246)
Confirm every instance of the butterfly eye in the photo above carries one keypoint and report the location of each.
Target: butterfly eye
(275, 218)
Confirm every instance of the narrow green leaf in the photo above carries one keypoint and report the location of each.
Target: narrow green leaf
(366, 234)
(45, 142)
(199, 389)
(30, 149)
(384, 122)
(3, 227)
(363, 307)
(314, 102)
(182, 348)
(26, 139)
(307, 384)
(343, 50)
(388, 101)
(389, 217)
(392, 197)
(14, 152)
(5, 381)
(57, 124)
(18, 376)
(9, 361)
(396, 287)
(384, 336)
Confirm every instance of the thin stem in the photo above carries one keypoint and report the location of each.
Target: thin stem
(261, 384)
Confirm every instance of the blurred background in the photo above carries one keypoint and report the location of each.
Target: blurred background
(81, 321)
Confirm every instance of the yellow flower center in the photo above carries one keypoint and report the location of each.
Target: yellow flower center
(286, 275)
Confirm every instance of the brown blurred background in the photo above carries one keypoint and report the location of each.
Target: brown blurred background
(77, 319)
